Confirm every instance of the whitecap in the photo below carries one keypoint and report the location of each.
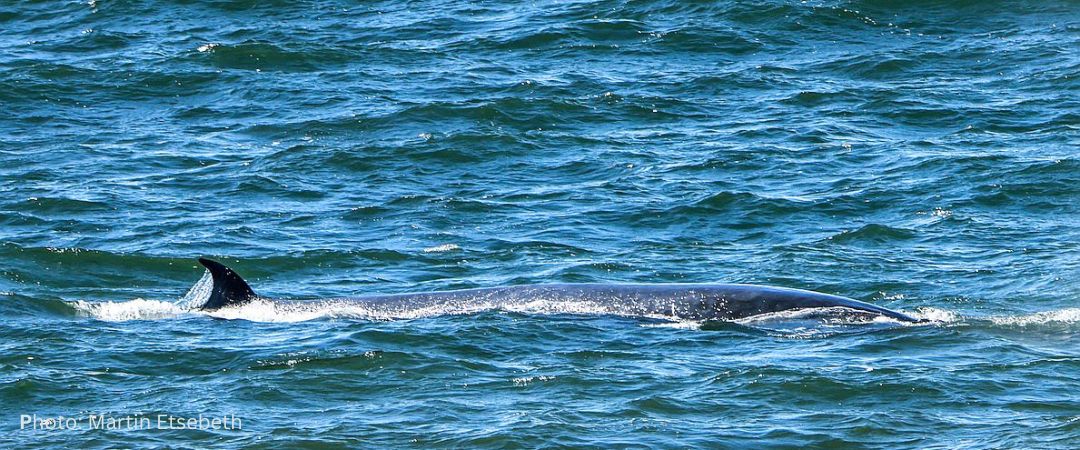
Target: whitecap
(138, 309)
(441, 248)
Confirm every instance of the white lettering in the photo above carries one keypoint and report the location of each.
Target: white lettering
(104, 421)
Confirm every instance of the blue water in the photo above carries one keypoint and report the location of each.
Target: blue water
(918, 155)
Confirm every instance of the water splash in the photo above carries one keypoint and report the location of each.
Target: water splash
(936, 315)
(198, 294)
(138, 309)
(144, 309)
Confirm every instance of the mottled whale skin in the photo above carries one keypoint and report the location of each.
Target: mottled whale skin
(682, 301)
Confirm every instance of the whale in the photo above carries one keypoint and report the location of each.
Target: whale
(681, 301)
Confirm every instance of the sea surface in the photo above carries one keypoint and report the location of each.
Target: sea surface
(920, 155)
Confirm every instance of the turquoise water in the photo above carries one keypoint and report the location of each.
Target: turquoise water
(918, 155)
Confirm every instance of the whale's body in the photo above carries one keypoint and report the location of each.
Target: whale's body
(681, 301)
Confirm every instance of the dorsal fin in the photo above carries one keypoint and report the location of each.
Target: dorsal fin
(229, 289)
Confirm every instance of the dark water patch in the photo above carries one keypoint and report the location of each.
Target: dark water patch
(732, 202)
(876, 233)
(721, 325)
(96, 40)
(363, 361)
(727, 41)
(279, 190)
(589, 272)
(266, 56)
(824, 98)
(52, 206)
(528, 41)
(543, 247)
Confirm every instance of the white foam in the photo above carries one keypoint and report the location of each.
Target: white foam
(268, 311)
(525, 381)
(262, 310)
(138, 309)
(298, 311)
(1065, 316)
(936, 315)
(545, 306)
(441, 248)
(143, 309)
(677, 324)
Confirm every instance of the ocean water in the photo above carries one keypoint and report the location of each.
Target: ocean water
(919, 155)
